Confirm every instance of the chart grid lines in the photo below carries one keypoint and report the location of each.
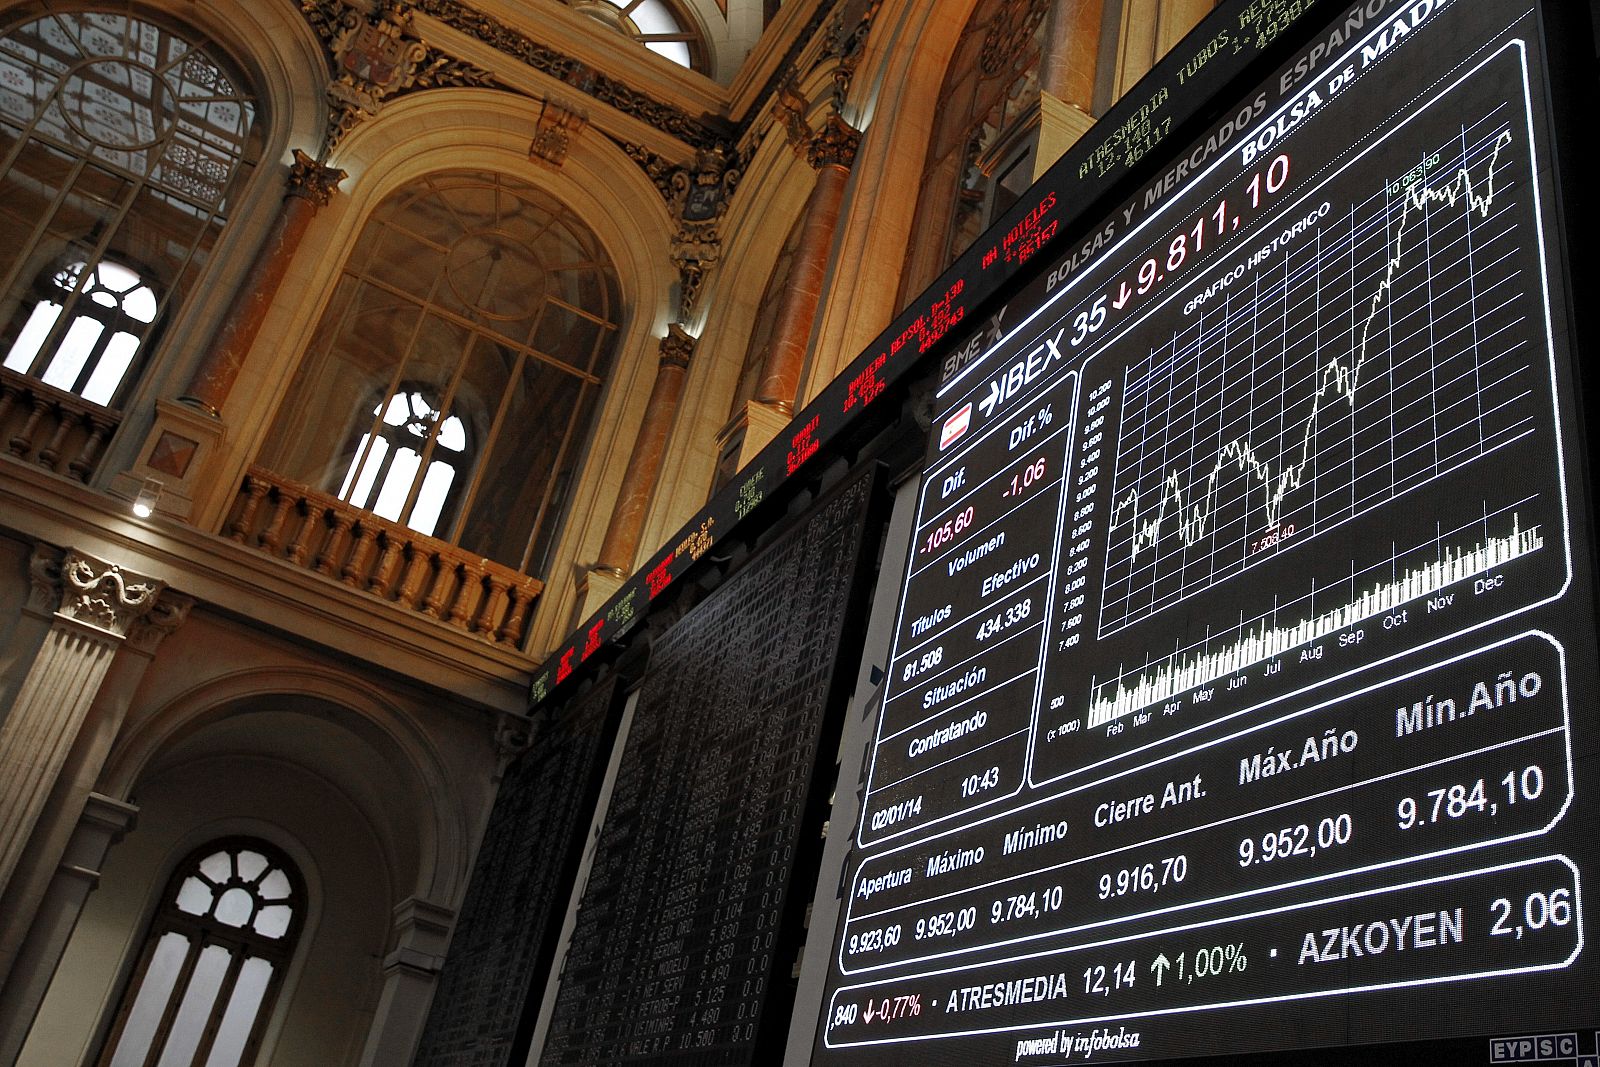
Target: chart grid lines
(1207, 487)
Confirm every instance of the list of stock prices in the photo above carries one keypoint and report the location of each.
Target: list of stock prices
(1235, 664)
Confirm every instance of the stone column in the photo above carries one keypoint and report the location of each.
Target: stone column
(311, 186)
(1067, 77)
(638, 481)
(59, 862)
(831, 152)
(103, 821)
(410, 972)
(1072, 51)
(97, 604)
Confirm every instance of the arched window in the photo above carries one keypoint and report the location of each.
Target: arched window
(985, 133)
(113, 310)
(383, 475)
(121, 140)
(213, 961)
(654, 24)
(453, 380)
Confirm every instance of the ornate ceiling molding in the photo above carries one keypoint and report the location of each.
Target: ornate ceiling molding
(375, 56)
(703, 132)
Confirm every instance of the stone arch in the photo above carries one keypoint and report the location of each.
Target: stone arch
(279, 54)
(351, 785)
(426, 841)
(451, 129)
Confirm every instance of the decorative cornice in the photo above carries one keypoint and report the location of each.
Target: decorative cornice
(312, 181)
(703, 132)
(376, 55)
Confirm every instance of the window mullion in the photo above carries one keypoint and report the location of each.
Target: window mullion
(446, 401)
(480, 466)
(40, 227)
(550, 486)
(96, 352)
(395, 379)
(91, 268)
(461, 320)
(134, 985)
(212, 221)
(219, 1007)
(180, 989)
(381, 475)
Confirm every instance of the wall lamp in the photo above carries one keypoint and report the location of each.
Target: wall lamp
(144, 505)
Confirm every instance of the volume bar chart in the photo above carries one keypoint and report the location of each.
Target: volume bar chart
(1264, 641)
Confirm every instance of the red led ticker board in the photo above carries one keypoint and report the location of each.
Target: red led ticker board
(1219, 52)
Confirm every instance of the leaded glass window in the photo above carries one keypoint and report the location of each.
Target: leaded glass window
(122, 143)
(213, 961)
(453, 380)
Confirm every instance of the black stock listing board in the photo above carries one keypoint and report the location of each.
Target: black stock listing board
(505, 935)
(1242, 689)
(684, 932)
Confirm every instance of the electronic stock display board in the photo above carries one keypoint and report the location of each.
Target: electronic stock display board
(1242, 689)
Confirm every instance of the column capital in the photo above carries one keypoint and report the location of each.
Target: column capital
(310, 180)
(170, 610)
(677, 347)
(834, 145)
(79, 587)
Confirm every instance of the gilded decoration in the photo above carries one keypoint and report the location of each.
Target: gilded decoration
(789, 111)
(375, 56)
(312, 181)
(834, 145)
(658, 168)
(700, 198)
(677, 347)
(558, 126)
(847, 43)
(704, 132)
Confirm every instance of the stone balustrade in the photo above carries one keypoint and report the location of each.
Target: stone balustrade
(423, 574)
(53, 428)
